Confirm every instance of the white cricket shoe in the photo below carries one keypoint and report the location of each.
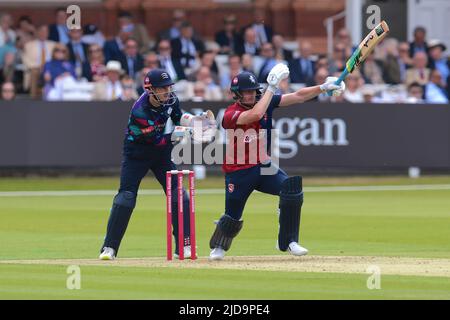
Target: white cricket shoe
(217, 254)
(297, 250)
(187, 253)
(108, 254)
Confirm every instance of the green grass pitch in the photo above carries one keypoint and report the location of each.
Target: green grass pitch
(400, 223)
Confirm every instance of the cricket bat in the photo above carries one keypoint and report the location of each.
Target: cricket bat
(364, 49)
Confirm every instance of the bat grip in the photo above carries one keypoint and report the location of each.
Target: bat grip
(339, 80)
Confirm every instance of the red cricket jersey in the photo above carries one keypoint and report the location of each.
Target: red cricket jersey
(247, 144)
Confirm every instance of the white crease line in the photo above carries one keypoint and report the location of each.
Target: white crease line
(156, 192)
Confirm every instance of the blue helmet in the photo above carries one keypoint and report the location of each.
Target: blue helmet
(245, 81)
(159, 78)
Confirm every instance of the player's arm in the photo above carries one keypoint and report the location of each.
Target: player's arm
(308, 93)
(276, 75)
(258, 111)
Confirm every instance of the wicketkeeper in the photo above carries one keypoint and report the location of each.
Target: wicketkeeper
(253, 113)
(146, 147)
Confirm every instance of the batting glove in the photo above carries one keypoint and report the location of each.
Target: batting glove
(329, 85)
(276, 75)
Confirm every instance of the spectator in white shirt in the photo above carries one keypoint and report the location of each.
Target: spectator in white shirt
(111, 88)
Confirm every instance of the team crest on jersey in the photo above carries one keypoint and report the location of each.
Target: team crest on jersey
(164, 75)
(235, 80)
(252, 78)
(230, 187)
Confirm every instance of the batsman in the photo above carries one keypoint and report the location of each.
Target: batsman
(146, 147)
(251, 116)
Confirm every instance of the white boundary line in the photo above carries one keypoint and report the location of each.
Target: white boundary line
(157, 192)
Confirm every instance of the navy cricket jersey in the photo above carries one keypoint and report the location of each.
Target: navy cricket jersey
(146, 123)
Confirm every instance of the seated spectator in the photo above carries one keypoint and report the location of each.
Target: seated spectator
(8, 91)
(199, 92)
(354, 83)
(281, 53)
(266, 62)
(78, 52)
(343, 37)
(7, 34)
(371, 70)
(338, 58)
(110, 89)
(419, 72)
(434, 90)
(7, 39)
(25, 31)
(234, 68)
(35, 55)
(8, 68)
(140, 79)
(172, 66)
(248, 43)
(368, 93)
(247, 63)
(213, 91)
(113, 49)
(228, 38)
(396, 62)
(186, 48)
(132, 61)
(58, 31)
(138, 31)
(319, 78)
(58, 67)
(179, 16)
(438, 60)
(302, 68)
(92, 35)
(151, 61)
(415, 93)
(96, 64)
(128, 89)
(419, 43)
(322, 62)
(207, 59)
(263, 32)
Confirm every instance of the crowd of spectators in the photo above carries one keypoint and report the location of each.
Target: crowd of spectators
(50, 62)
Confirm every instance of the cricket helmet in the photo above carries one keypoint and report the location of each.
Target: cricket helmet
(245, 80)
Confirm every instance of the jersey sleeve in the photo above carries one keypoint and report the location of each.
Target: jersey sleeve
(230, 118)
(275, 102)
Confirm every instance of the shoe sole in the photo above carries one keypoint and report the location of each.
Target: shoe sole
(298, 255)
(216, 258)
(106, 258)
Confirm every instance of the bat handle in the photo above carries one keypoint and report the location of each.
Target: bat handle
(339, 80)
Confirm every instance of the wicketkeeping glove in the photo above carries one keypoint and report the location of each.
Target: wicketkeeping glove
(204, 126)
